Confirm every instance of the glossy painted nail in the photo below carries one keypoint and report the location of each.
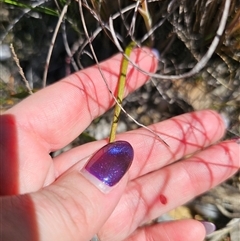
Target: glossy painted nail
(156, 53)
(236, 139)
(209, 227)
(109, 164)
(225, 119)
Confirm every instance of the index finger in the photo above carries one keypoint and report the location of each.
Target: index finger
(60, 112)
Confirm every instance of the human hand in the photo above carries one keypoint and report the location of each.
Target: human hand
(57, 202)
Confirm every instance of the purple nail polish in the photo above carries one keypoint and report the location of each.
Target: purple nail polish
(225, 119)
(109, 164)
(236, 139)
(209, 227)
(156, 53)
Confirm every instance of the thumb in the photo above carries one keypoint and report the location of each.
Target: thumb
(79, 202)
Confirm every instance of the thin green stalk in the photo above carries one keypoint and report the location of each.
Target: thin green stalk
(120, 93)
(122, 78)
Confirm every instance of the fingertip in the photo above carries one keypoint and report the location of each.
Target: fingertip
(225, 119)
(187, 230)
(212, 122)
(148, 57)
(208, 226)
(156, 53)
(180, 230)
(108, 165)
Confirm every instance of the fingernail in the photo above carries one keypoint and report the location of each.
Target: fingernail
(209, 227)
(225, 119)
(108, 165)
(236, 139)
(156, 53)
(95, 238)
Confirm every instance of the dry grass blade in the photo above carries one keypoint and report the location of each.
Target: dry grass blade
(20, 70)
(64, 11)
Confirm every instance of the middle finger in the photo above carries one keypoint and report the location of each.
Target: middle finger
(185, 134)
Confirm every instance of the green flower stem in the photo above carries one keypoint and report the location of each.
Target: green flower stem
(120, 93)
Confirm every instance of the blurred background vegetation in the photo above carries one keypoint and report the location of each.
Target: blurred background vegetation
(181, 30)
